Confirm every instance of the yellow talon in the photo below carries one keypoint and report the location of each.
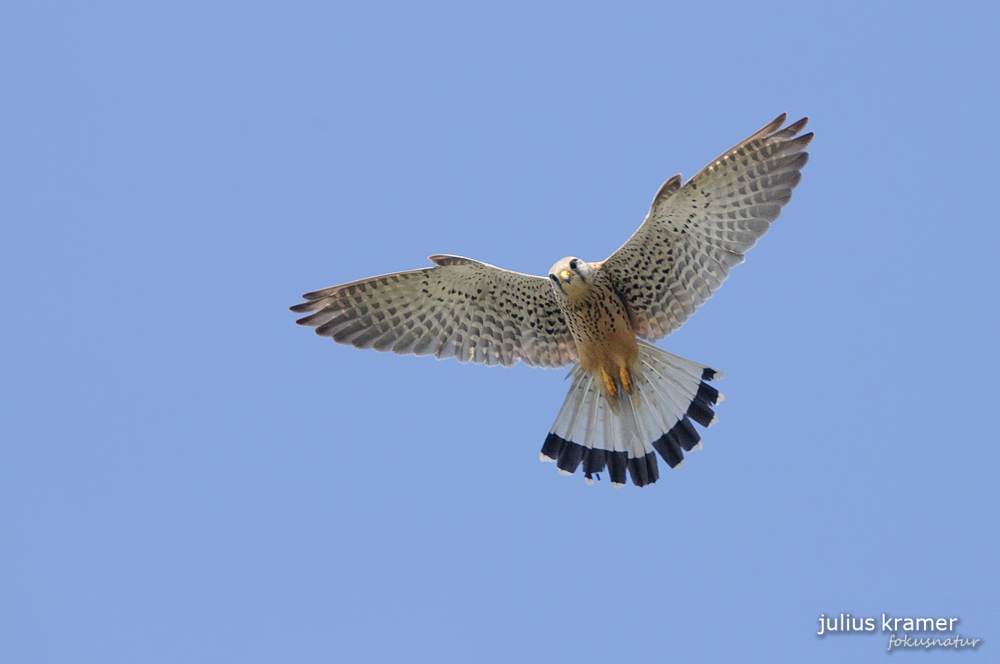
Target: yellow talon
(626, 379)
(609, 383)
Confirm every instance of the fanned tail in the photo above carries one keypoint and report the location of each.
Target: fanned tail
(625, 435)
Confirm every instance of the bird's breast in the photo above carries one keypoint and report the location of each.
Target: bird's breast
(600, 326)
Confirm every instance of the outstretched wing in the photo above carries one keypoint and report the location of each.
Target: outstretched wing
(462, 308)
(694, 234)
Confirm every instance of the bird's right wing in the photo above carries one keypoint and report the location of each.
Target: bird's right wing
(461, 308)
(694, 234)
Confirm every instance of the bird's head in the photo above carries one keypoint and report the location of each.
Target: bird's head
(571, 276)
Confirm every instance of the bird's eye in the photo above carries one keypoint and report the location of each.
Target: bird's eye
(572, 264)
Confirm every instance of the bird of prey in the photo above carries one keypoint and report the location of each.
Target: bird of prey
(628, 399)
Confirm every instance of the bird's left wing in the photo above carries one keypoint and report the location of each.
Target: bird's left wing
(461, 308)
(694, 234)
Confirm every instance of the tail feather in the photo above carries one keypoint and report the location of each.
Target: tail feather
(624, 437)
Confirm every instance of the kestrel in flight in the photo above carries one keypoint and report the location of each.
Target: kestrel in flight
(628, 399)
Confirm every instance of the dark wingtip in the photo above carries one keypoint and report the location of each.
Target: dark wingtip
(796, 127)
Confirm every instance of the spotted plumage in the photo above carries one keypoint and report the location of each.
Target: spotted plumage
(628, 400)
(463, 309)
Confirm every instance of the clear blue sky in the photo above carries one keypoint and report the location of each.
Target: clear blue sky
(186, 476)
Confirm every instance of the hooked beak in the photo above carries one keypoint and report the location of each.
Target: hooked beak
(566, 275)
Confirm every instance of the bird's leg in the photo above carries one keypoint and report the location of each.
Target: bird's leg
(609, 383)
(626, 379)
